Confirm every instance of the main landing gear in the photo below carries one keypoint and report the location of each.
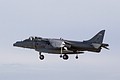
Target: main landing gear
(66, 57)
(41, 56)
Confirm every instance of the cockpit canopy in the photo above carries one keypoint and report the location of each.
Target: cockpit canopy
(33, 38)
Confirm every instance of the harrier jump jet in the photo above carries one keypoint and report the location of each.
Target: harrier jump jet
(63, 47)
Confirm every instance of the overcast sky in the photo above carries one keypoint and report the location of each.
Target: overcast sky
(70, 19)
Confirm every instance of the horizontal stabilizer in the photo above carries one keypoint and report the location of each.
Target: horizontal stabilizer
(95, 45)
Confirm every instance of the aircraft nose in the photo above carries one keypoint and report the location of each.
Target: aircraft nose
(18, 44)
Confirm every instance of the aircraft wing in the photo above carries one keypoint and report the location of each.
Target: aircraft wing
(59, 43)
(65, 45)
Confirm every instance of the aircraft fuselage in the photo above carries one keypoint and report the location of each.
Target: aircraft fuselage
(61, 46)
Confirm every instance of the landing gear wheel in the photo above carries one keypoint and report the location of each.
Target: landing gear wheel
(41, 57)
(61, 56)
(65, 57)
(76, 57)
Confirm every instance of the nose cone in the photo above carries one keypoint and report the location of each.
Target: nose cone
(18, 44)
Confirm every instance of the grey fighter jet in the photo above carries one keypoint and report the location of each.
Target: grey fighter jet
(63, 47)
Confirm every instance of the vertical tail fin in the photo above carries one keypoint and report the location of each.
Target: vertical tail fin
(98, 38)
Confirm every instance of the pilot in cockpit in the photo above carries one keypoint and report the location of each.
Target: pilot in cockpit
(31, 38)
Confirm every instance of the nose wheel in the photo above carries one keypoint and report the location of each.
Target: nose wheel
(41, 56)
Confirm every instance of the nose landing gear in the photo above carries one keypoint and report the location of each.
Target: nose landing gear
(41, 56)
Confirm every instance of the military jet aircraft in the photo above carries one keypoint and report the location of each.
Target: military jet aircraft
(63, 47)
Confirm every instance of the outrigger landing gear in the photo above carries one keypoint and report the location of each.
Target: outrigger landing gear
(61, 56)
(76, 54)
(41, 56)
(76, 57)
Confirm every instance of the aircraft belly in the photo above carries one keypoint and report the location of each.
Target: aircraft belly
(54, 50)
(75, 47)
